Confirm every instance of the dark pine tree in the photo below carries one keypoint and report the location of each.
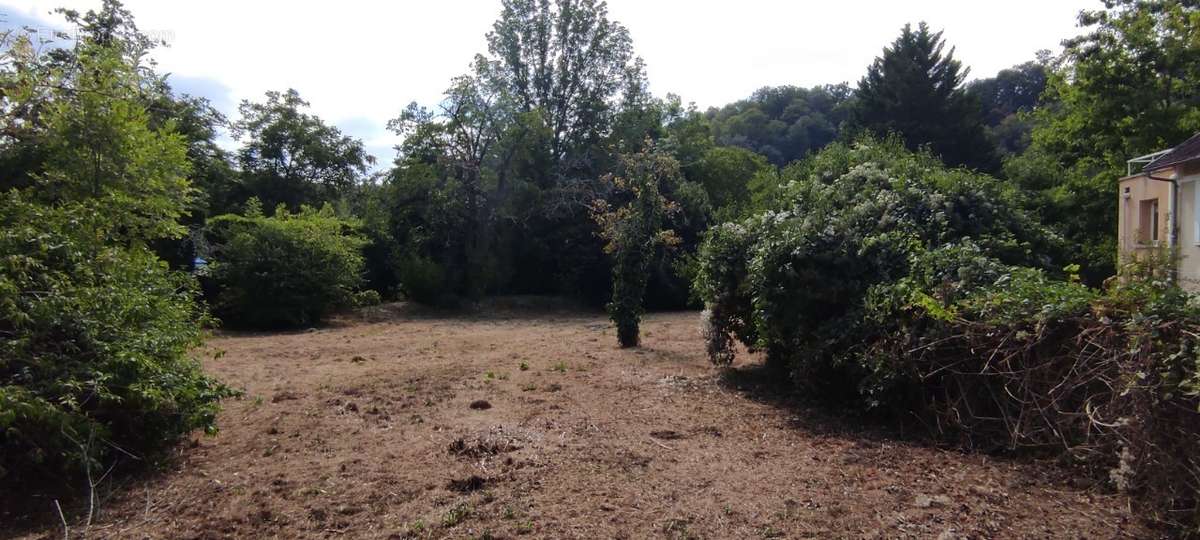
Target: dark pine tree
(917, 92)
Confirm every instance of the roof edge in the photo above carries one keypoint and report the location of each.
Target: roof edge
(1186, 151)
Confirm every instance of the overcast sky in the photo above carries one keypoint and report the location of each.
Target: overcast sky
(360, 62)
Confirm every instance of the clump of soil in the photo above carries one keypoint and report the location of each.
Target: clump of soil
(480, 405)
(481, 447)
(667, 434)
(467, 485)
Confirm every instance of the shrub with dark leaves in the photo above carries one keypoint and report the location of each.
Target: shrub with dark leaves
(94, 344)
(887, 280)
(287, 270)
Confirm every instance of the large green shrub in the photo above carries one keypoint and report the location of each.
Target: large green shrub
(94, 344)
(95, 331)
(421, 279)
(885, 280)
(287, 270)
(849, 218)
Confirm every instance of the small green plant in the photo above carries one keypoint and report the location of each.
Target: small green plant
(366, 298)
(415, 529)
(560, 367)
(524, 366)
(525, 527)
(458, 514)
(771, 532)
(678, 528)
(509, 513)
(489, 375)
(529, 387)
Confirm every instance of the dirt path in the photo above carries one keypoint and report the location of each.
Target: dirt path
(369, 431)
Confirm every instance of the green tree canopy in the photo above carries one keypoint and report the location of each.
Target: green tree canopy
(1007, 99)
(289, 156)
(726, 173)
(1012, 90)
(514, 152)
(200, 124)
(783, 123)
(567, 61)
(915, 89)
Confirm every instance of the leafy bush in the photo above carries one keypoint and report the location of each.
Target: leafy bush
(721, 281)
(287, 270)
(366, 298)
(95, 331)
(93, 348)
(793, 279)
(886, 280)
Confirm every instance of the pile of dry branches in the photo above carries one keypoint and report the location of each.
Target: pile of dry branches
(1117, 392)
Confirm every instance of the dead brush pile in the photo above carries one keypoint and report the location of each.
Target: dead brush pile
(1109, 380)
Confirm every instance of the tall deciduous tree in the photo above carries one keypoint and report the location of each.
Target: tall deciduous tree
(292, 157)
(568, 62)
(916, 89)
(102, 154)
(517, 145)
(467, 142)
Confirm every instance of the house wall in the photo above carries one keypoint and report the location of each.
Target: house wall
(1132, 237)
(1132, 240)
(1189, 229)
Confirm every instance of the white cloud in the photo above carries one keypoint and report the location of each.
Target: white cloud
(359, 62)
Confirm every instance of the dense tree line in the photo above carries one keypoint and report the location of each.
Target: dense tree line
(491, 189)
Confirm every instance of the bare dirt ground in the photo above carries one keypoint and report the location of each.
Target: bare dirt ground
(535, 425)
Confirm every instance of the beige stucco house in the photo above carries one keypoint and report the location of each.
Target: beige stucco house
(1158, 208)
